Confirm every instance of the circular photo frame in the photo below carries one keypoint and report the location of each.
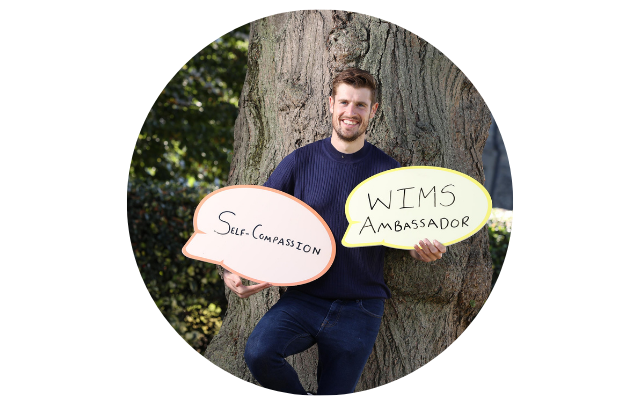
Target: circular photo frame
(265, 92)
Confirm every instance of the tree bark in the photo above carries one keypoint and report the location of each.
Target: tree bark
(430, 114)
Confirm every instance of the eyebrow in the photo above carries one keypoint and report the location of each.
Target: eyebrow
(358, 102)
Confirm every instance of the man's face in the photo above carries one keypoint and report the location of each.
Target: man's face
(351, 110)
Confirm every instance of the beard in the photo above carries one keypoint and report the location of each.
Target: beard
(345, 138)
(349, 138)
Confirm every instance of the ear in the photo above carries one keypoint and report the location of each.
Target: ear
(331, 104)
(373, 110)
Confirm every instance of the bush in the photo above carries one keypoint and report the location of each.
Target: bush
(189, 293)
(499, 225)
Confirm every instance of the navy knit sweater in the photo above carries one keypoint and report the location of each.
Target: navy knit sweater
(323, 177)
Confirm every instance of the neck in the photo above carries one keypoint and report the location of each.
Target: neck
(347, 147)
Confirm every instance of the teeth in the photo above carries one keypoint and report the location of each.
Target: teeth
(349, 122)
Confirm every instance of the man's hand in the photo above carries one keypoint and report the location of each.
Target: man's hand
(234, 282)
(430, 251)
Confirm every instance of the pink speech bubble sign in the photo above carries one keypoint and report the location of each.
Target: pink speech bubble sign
(261, 234)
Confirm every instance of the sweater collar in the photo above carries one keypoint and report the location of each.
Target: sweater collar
(346, 157)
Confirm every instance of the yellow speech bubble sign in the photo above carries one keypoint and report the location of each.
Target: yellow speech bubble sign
(399, 207)
(261, 234)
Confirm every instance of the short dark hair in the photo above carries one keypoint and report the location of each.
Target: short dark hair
(357, 78)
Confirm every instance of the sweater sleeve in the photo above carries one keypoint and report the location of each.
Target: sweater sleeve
(283, 178)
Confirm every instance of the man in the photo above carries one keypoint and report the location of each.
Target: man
(342, 310)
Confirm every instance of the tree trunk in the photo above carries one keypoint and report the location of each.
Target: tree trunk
(430, 114)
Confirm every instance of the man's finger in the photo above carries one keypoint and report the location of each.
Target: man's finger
(234, 282)
(430, 246)
(233, 287)
(257, 287)
(247, 291)
(424, 246)
(427, 250)
(442, 248)
(422, 254)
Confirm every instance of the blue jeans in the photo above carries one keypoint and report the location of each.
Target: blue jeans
(345, 331)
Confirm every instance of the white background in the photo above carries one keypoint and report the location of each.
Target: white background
(78, 79)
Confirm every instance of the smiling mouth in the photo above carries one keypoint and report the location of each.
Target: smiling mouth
(350, 122)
